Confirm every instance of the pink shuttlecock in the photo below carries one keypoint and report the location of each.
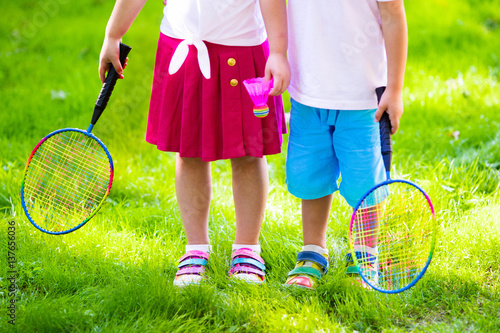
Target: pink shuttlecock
(259, 89)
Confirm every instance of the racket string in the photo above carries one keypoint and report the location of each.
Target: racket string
(62, 149)
(81, 165)
(45, 186)
(40, 183)
(61, 177)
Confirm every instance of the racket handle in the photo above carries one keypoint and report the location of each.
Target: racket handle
(109, 85)
(385, 135)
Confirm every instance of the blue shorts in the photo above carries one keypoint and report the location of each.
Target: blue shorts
(324, 144)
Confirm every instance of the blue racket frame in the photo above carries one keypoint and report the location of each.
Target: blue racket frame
(431, 252)
(386, 148)
(110, 159)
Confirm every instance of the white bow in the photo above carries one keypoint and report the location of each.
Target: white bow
(182, 51)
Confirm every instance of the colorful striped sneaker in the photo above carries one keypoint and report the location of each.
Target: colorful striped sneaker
(248, 266)
(310, 267)
(369, 256)
(192, 266)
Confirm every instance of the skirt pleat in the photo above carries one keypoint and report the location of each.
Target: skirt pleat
(212, 119)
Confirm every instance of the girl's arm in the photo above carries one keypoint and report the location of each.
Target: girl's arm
(274, 14)
(124, 13)
(395, 34)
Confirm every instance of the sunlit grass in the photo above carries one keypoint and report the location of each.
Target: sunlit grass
(115, 274)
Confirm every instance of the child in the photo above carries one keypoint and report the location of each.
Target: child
(200, 109)
(339, 52)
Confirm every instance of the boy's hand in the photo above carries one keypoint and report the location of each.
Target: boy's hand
(110, 54)
(392, 102)
(277, 67)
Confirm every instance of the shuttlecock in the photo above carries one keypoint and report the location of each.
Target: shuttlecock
(259, 89)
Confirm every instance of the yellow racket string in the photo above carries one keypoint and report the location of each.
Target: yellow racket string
(66, 180)
(395, 224)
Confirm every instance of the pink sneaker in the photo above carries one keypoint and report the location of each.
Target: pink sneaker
(247, 266)
(192, 266)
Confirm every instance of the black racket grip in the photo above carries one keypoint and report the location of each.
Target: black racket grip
(385, 133)
(109, 85)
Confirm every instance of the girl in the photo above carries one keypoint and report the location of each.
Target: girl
(200, 109)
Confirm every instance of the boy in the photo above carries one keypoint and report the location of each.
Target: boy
(339, 52)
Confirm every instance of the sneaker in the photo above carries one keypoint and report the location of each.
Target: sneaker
(367, 258)
(248, 266)
(192, 266)
(310, 267)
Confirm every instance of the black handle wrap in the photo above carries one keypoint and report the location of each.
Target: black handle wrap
(109, 85)
(385, 134)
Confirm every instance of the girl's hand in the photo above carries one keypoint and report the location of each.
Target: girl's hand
(277, 68)
(392, 102)
(110, 55)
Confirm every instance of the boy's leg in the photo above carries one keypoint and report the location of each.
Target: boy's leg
(250, 191)
(312, 172)
(315, 215)
(366, 219)
(366, 228)
(357, 144)
(314, 255)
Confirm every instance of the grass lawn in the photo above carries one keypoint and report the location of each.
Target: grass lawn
(115, 274)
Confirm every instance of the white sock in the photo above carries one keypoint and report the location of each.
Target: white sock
(254, 248)
(199, 247)
(365, 248)
(313, 248)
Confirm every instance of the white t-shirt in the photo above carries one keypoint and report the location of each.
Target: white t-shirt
(336, 53)
(226, 22)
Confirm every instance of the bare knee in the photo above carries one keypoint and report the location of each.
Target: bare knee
(249, 166)
(246, 160)
(191, 162)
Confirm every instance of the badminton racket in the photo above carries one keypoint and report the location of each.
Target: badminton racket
(392, 233)
(70, 172)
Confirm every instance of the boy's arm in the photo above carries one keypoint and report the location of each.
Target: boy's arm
(395, 34)
(124, 13)
(274, 14)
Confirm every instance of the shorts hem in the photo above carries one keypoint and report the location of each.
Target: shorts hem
(312, 196)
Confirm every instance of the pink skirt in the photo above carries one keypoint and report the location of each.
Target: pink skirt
(212, 119)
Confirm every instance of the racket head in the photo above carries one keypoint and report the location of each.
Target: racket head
(67, 178)
(396, 218)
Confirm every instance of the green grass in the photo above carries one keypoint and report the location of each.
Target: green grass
(115, 274)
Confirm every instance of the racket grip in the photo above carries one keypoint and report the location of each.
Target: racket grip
(385, 134)
(109, 85)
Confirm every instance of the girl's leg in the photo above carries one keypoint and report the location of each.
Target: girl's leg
(193, 187)
(250, 189)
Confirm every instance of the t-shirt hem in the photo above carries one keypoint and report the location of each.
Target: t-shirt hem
(332, 104)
